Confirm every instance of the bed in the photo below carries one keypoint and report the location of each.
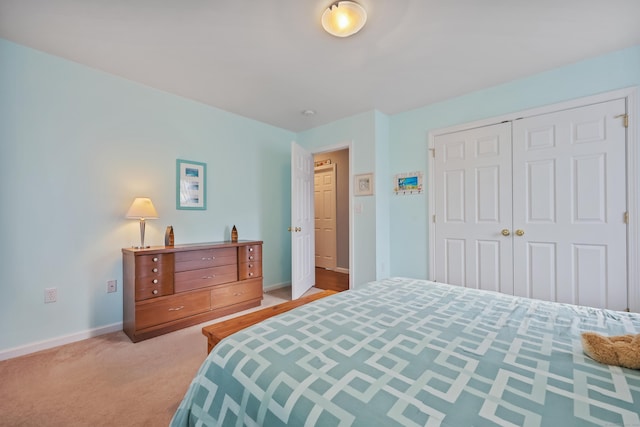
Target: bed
(407, 352)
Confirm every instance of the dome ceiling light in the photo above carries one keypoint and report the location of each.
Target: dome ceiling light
(344, 18)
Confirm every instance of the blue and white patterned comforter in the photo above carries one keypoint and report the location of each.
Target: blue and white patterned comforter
(406, 352)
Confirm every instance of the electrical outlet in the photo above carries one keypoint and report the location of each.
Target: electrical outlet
(50, 295)
(112, 286)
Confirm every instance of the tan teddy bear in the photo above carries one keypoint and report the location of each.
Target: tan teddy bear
(621, 350)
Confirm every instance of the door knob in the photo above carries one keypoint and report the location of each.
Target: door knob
(505, 232)
(289, 229)
(519, 232)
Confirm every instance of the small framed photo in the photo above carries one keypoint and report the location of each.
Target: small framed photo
(363, 184)
(191, 181)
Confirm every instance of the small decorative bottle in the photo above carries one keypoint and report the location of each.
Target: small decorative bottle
(234, 234)
(168, 236)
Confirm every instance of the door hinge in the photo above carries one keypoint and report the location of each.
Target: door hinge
(625, 119)
(626, 217)
(434, 218)
(433, 152)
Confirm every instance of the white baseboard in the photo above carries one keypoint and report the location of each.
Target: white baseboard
(58, 341)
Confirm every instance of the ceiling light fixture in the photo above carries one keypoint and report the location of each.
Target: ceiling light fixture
(344, 18)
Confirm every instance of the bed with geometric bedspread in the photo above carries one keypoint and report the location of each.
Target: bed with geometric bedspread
(407, 352)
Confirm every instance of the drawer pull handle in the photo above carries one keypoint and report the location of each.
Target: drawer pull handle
(177, 308)
(211, 258)
(155, 281)
(250, 249)
(155, 270)
(155, 292)
(251, 257)
(237, 294)
(250, 274)
(250, 265)
(155, 259)
(208, 277)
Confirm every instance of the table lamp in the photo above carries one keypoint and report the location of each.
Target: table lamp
(142, 209)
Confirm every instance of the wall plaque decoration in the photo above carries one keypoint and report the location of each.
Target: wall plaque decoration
(408, 183)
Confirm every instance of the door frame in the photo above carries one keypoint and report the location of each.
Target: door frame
(337, 147)
(630, 95)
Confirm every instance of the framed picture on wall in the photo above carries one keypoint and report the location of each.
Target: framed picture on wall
(408, 183)
(191, 181)
(363, 184)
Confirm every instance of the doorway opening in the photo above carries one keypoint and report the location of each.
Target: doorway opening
(331, 214)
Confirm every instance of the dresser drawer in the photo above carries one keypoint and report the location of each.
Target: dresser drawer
(223, 296)
(205, 258)
(249, 270)
(154, 265)
(156, 312)
(154, 286)
(196, 279)
(250, 253)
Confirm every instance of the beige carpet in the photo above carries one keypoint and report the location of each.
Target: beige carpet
(107, 380)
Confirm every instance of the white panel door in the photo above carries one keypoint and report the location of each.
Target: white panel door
(325, 216)
(569, 201)
(472, 172)
(302, 227)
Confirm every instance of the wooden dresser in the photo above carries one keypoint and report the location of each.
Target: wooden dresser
(169, 288)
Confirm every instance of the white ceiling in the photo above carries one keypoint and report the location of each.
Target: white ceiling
(270, 59)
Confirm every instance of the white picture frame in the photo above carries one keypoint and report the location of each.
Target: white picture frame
(363, 184)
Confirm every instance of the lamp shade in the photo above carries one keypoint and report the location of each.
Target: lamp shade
(142, 208)
(344, 18)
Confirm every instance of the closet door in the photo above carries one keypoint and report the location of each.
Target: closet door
(472, 184)
(569, 203)
(325, 216)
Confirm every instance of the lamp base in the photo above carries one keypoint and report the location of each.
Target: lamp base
(142, 226)
(140, 247)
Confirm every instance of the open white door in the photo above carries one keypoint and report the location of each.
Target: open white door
(302, 222)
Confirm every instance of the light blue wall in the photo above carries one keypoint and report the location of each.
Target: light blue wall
(76, 146)
(383, 193)
(360, 132)
(409, 132)
(368, 136)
